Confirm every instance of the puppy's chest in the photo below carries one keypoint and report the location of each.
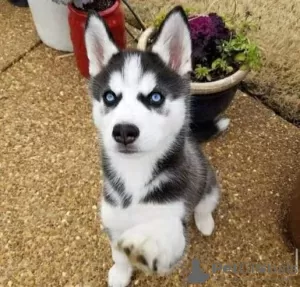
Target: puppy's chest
(136, 187)
(127, 192)
(118, 219)
(132, 182)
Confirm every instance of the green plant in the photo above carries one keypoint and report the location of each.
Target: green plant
(208, 73)
(221, 47)
(222, 65)
(202, 73)
(242, 51)
(220, 44)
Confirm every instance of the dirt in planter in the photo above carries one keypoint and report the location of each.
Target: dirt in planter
(99, 5)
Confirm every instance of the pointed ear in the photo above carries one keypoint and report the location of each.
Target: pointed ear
(173, 43)
(99, 43)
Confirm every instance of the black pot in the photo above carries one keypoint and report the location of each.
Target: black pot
(206, 111)
(19, 3)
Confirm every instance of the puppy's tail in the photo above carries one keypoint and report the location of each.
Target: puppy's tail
(206, 131)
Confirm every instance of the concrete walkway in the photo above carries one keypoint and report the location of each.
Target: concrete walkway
(50, 180)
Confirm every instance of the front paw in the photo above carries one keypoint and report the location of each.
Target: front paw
(151, 254)
(119, 276)
(142, 251)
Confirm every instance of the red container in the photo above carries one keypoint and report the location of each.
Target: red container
(114, 18)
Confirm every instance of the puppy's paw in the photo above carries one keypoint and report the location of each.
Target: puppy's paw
(151, 250)
(141, 250)
(119, 276)
(205, 223)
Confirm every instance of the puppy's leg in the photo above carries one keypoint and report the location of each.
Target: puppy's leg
(203, 211)
(156, 246)
(120, 273)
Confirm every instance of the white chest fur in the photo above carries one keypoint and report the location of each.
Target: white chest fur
(136, 171)
(118, 219)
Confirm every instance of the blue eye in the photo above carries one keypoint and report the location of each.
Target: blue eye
(110, 98)
(156, 99)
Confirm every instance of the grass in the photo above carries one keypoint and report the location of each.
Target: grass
(278, 83)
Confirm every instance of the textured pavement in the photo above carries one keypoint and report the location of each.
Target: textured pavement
(18, 33)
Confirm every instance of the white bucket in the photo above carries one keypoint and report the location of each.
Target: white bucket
(51, 22)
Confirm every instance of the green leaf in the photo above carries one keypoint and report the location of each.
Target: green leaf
(201, 72)
(219, 64)
(229, 69)
(240, 57)
(214, 64)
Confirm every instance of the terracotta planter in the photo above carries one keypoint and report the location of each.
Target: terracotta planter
(51, 22)
(114, 18)
(209, 100)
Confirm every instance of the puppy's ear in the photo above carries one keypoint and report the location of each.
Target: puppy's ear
(99, 43)
(173, 43)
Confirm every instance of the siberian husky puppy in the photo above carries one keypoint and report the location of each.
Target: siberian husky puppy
(155, 176)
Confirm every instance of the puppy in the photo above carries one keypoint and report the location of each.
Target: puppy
(155, 176)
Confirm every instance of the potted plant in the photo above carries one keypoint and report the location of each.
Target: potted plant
(60, 24)
(112, 13)
(222, 56)
(51, 22)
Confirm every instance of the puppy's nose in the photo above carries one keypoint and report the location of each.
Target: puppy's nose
(125, 133)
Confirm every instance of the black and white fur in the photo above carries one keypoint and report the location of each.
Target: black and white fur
(155, 176)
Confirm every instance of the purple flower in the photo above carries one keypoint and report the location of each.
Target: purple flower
(208, 26)
(202, 25)
(207, 33)
(222, 32)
